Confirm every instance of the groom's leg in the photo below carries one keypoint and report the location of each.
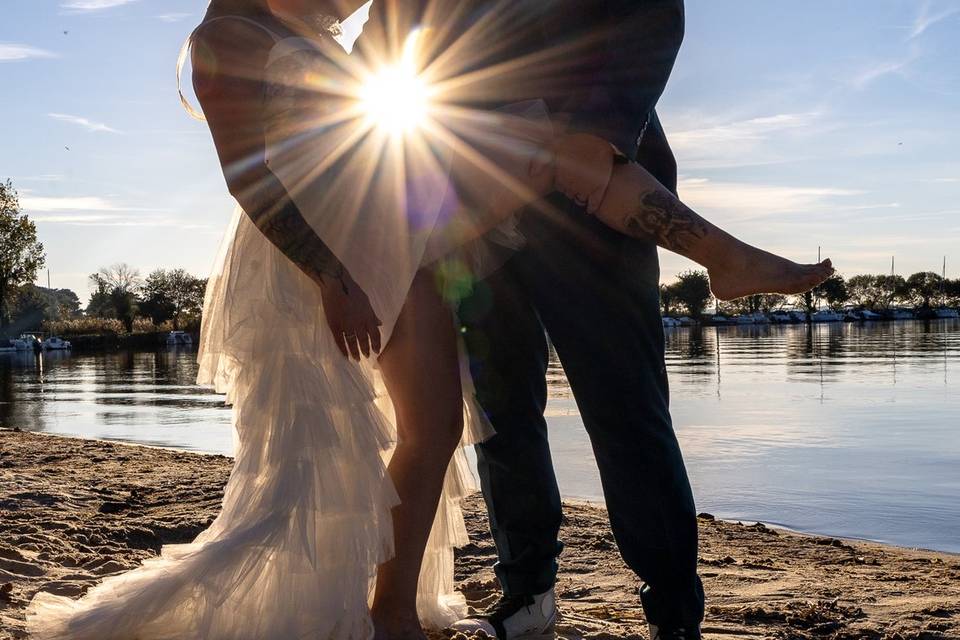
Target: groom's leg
(508, 360)
(597, 294)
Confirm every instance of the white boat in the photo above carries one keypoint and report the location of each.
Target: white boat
(946, 313)
(32, 341)
(181, 338)
(55, 343)
(15, 345)
(826, 315)
(861, 315)
(670, 322)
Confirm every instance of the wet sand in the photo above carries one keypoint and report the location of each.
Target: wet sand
(73, 511)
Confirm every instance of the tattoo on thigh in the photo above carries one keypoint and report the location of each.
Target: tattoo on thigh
(667, 220)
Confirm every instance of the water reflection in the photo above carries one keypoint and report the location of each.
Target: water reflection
(138, 396)
(842, 429)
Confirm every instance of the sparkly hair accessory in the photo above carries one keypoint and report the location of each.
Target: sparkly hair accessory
(326, 24)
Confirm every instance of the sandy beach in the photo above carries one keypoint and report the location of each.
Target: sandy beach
(73, 511)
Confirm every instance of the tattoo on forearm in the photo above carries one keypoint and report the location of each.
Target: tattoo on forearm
(284, 225)
(667, 220)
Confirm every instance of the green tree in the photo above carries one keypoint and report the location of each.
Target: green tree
(951, 289)
(922, 287)
(667, 300)
(833, 290)
(761, 302)
(171, 295)
(33, 305)
(21, 255)
(892, 289)
(807, 302)
(115, 294)
(692, 290)
(864, 290)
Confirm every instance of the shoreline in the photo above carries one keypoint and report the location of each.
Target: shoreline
(73, 510)
(780, 528)
(596, 503)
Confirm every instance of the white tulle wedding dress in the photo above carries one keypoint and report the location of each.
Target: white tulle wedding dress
(306, 514)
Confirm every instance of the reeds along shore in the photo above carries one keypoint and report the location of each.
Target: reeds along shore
(73, 511)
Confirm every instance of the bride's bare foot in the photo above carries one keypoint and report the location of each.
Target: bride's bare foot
(396, 625)
(747, 270)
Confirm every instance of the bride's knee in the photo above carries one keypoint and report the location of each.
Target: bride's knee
(437, 434)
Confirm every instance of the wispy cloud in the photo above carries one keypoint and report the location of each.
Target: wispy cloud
(67, 203)
(43, 177)
(927, 18)
(173, 17)
(97, 211)
(89, 125)
(752, 129)
(10, 52)
(739, 200)
(94, 5)
(876, 70)
(745, 142)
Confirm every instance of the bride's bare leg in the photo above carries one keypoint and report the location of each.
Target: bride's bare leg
(629, 199)
(421, 371)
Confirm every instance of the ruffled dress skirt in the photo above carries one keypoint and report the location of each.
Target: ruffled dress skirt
(306, 514)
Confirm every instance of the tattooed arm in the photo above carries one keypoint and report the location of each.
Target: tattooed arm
(228, 63)
(268, 204)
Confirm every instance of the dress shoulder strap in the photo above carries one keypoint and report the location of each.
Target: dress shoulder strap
(185, 51)
(273, 34)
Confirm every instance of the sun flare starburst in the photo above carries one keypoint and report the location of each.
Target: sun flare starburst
(396, 98)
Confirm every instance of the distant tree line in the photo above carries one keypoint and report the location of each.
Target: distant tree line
(121, 299)
(690, 294)
(174, 298)
(165, 296)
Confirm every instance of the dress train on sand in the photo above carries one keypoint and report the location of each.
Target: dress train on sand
(306, 514)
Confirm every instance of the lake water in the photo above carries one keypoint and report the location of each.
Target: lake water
(847, 430)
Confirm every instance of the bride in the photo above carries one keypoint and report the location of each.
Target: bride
(326, 326)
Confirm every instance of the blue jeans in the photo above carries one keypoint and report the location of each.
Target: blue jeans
(596, 294)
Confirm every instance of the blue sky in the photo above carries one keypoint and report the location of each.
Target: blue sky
(795, 125)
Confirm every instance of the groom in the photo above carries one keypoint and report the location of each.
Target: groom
(594, 292)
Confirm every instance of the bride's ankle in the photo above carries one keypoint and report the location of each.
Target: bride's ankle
(396, 624)
(395, 614)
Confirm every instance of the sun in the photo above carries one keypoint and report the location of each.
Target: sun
(396, 98)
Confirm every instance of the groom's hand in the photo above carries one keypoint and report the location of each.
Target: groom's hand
(584, 166)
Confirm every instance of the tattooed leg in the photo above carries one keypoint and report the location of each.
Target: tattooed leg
(637, 205)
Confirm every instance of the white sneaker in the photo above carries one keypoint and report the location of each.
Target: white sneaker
(515, 617)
